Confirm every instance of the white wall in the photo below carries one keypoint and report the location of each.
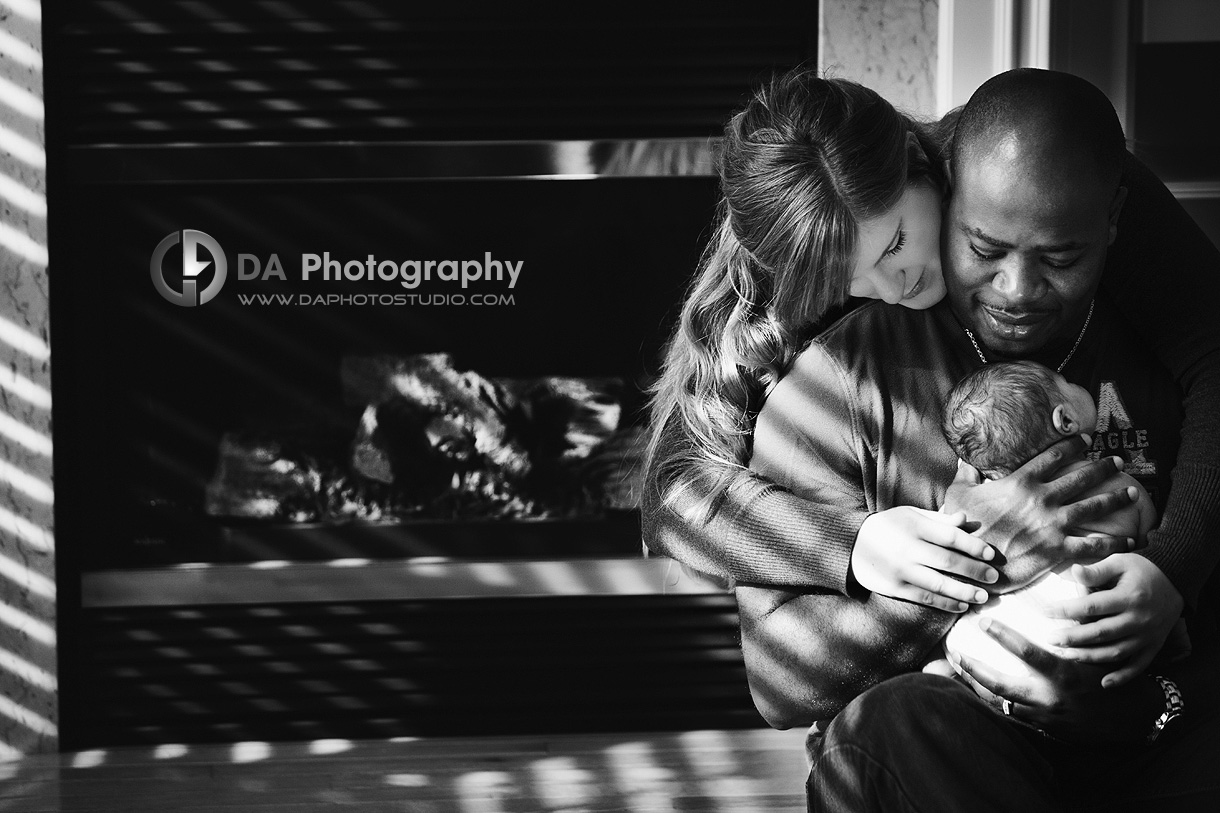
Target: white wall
(928, 56)
(28, 661)
(887, 45)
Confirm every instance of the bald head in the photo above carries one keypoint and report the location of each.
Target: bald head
(1044, 120)
(1036, 199)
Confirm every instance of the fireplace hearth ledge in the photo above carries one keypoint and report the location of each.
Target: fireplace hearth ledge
(426, 578)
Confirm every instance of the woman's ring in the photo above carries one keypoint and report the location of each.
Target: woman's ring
(1006, 706)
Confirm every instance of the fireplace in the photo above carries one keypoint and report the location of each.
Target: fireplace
(161, 394)
(329, 152)
(356, 166)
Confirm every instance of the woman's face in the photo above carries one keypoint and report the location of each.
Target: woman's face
(898, 253)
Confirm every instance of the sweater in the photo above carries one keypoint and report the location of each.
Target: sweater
(1163, 277)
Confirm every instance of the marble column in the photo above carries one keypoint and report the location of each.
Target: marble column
(887, 45)
(28, 685)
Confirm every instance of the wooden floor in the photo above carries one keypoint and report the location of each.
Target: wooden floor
(751, 770)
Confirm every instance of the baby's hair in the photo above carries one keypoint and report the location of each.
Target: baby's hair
(999, 416)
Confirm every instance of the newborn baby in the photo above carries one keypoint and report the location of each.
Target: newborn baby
(996, 419)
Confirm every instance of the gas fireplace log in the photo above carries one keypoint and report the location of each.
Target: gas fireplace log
(436, 442)
(433, 387)
(262, 476)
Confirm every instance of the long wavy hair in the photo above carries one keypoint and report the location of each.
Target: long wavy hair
(801, 166)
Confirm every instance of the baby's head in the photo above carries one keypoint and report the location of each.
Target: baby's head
(1003, 414)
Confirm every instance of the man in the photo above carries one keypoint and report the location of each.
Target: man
(855, 423)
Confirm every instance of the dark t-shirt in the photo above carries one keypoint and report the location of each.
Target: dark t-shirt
(856, 422)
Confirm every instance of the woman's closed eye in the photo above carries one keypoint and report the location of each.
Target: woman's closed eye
(899, 242)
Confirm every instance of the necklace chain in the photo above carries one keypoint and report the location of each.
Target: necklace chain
(1062, 364)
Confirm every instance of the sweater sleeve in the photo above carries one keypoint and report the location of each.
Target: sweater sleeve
(759, 531)
(755, 532)
(1164, 275)
(810, 652)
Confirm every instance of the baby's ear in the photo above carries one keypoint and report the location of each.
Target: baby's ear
(1064, 423)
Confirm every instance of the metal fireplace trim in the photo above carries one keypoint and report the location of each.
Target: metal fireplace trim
(122, 164)
(420, 578)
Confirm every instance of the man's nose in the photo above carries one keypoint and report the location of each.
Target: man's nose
(1019, 279)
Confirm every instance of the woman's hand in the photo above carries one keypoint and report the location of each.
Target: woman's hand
(1028, 515)
(914, 554)
(1125, 618)
(1062, 697)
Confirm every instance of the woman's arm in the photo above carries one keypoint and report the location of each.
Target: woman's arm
(756, 532)
(1164, 275)
(760, 532)
(808, 655)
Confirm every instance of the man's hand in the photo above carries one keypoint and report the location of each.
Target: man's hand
(1027, 515)
(914, 554)
(1126, 617)
(1063, 697)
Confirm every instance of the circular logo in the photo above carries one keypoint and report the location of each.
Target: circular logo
(192, 267)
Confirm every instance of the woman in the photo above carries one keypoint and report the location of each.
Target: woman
(812, 172)
(815, 174)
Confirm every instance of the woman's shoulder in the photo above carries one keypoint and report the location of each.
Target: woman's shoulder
(876, 330)
(854, 349)
(874, 351)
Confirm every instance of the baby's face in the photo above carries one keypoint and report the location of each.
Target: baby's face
(1078, 403)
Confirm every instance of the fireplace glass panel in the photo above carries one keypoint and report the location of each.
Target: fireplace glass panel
(164, 394)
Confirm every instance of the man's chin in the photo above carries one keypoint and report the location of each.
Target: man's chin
(1006, 339)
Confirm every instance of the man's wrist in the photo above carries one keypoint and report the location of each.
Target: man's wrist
(1133, 708)
(1173, 708)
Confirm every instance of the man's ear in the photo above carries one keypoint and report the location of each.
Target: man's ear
(1116, 209)
(1064, 423)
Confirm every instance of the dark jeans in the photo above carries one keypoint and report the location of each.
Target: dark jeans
(926, 743)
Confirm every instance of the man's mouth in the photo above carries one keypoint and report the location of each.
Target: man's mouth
(1013, 324)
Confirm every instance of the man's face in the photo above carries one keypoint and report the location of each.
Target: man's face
(1025, 244)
